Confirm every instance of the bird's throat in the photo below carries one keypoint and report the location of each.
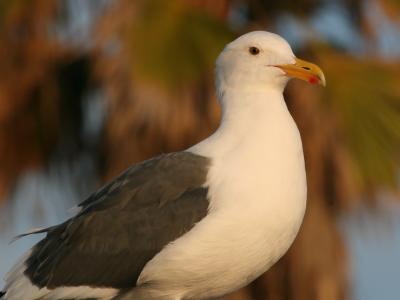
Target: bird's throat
(249, 119)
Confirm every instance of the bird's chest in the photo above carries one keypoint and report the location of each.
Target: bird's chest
(257, 191)
(259, 203)
(259, 177)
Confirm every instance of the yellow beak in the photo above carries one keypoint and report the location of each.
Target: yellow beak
(304, 70)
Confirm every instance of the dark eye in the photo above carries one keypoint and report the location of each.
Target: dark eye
(254, 50)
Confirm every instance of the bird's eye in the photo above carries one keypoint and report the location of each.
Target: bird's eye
(254, 50)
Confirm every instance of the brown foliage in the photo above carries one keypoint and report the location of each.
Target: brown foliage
(145, 118)
(26, 90)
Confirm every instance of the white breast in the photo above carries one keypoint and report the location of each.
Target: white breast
(257, 190)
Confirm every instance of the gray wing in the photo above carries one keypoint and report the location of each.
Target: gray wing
(123, 225)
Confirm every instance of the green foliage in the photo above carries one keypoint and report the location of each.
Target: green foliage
(173, 43)
(365, 97)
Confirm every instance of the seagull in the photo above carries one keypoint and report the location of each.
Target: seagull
(195, 224)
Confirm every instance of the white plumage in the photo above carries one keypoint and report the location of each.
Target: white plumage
(257, 180)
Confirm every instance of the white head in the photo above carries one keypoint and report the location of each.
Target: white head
(262, 60)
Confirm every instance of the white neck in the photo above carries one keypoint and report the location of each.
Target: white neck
(253, 118)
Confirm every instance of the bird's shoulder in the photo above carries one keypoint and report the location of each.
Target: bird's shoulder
(161, 178)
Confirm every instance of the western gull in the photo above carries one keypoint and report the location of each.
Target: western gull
(196, 224)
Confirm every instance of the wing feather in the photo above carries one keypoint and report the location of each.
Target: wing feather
(123, 225)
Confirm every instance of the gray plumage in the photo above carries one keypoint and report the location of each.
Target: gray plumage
(123, 225)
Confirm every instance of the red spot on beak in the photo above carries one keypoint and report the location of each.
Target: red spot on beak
(313, 80)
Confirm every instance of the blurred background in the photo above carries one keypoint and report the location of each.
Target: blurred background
(88, 87)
